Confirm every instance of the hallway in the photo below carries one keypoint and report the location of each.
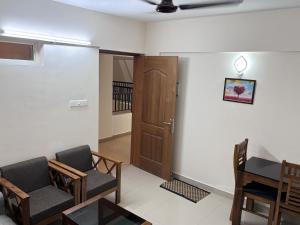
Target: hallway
(118, 148)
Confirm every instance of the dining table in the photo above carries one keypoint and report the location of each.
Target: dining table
(258, 170)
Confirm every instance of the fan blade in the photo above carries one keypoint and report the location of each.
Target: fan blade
(149, 2)
(203, 5)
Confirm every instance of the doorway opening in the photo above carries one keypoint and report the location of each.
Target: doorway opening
(115, 104)
(138, 95)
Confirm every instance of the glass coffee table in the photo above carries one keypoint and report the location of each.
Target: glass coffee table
(100, 212)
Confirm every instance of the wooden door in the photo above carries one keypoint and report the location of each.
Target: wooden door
(154, 101)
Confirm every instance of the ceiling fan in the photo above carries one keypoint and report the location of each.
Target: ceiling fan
(167, 6)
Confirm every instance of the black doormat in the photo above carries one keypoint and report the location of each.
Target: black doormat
(185, 190)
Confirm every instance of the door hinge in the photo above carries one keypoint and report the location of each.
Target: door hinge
(177, 89)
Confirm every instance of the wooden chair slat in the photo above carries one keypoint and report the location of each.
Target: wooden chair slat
(289, 176)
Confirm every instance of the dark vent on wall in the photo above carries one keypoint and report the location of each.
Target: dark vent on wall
(16, 51)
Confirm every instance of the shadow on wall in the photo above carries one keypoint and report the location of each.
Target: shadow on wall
(123, 68)
(180, 111)
(263, 152)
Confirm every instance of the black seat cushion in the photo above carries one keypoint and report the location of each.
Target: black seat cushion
(28, 175)
(48, 201)
(79, 158)
(261, 190)
(99, 182)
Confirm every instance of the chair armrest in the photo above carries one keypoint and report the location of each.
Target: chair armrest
(68, 168)
(14, 189)
(74, 180)
(63, 171)
(10, 191)
(83, 177)
(115, 164)
(106, 158)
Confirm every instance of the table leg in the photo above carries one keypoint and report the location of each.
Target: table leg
(64, 221)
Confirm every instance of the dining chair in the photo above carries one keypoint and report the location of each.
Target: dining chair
(253, 191)
(288, 198)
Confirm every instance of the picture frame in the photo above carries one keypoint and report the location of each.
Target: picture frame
(239, 90)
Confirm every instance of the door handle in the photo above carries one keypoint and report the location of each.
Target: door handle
(171, 125)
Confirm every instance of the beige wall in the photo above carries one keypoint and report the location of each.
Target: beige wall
(121, 123)
(123, 69)
(109, 124)
(105, 91)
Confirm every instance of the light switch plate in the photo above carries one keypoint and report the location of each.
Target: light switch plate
(78, 103)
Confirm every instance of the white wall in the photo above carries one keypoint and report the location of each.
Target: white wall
(207, 128)
(121, 123)
(36, 119)
(46, 16)
(258, 31)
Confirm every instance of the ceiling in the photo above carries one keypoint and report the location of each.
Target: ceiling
(139, 10)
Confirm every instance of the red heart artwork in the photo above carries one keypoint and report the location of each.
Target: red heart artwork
(239, 90)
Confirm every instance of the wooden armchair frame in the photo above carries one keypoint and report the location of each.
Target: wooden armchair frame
(109, 165)
(59, 177)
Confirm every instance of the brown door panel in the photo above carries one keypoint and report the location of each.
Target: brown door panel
(154, 100)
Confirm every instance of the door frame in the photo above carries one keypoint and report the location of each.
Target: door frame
(113, 52)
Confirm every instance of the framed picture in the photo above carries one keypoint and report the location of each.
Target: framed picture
(239, 90)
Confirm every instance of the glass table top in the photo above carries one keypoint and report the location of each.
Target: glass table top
(104, 212)
(262, 167)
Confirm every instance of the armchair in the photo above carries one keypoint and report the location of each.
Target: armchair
(36, 191)
(80, 161)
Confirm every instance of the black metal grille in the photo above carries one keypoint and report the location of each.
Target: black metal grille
(122, 96)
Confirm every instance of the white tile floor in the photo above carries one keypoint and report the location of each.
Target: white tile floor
(142, 195)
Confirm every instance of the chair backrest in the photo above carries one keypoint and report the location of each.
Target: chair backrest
(290, 183)
(79, 158)
(28, 175)
(240, 155)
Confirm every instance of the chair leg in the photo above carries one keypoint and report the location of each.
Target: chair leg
(271, 213)
(118, 196)
(277, 219)
(250, 204)
(233, 202)
(25, 211)
(231, 211)
(118, 191)
(240, 210)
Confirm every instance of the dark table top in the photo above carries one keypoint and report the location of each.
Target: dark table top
(263, 167)
(104, 212)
